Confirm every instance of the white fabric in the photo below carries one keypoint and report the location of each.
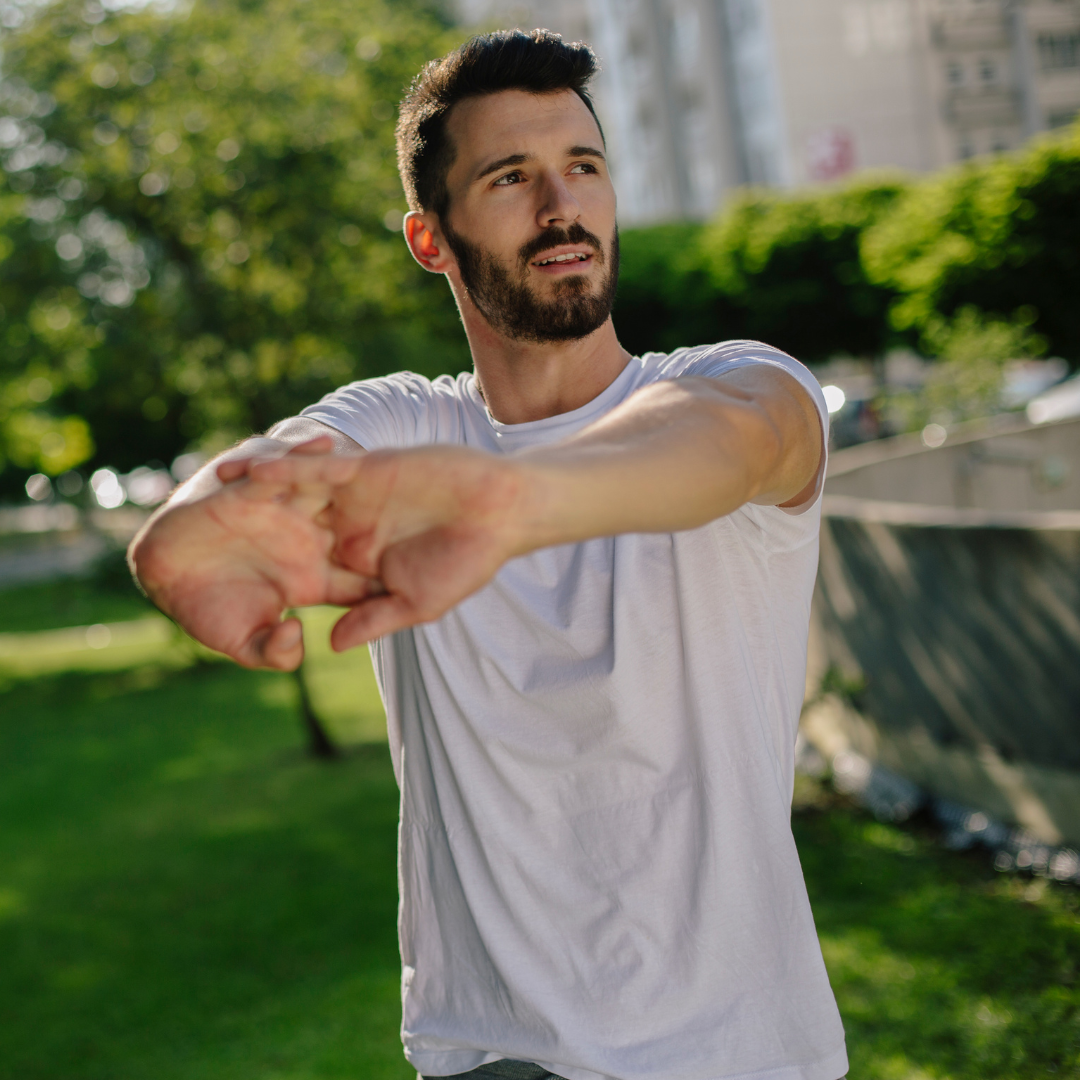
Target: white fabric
(595, 755)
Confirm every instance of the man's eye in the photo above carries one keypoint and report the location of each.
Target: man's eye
(508, 179)
(584, 167)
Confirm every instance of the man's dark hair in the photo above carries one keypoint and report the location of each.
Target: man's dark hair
(538, 62)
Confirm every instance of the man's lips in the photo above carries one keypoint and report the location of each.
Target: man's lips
(561, 259)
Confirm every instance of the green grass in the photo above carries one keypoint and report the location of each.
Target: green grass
(182, 893)
(342, 685)
(185, 896)
(42, 630)
(941, 966)
(51, 605)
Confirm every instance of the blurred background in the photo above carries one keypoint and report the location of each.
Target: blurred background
(200, 234)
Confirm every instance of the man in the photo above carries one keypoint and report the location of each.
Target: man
(586, 580)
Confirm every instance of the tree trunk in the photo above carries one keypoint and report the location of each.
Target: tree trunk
(320, 745)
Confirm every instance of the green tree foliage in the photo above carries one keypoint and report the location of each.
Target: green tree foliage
(875, 263)
(666, 295)
(775, 267)
(790, 265)
(198, 211)
(973, 350)
(998, 235)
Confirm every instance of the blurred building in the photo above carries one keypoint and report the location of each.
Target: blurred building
(701, 96)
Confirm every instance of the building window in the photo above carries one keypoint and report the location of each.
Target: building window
(1059, 51)
(1062, 119)
(966, 148)
(987, 70)
(954, 72)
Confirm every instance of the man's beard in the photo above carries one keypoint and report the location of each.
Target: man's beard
(513, 309)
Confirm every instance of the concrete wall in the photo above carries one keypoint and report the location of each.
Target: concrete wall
(1001, 466)
(945, 639)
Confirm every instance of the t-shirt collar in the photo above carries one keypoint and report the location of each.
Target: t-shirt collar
(561, 425)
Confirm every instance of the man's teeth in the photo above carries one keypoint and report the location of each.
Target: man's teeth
(562, 258)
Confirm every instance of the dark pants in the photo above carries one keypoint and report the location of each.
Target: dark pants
(503, 1070)
(507, 1070)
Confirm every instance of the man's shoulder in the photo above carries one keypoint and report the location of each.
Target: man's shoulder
(400, 409)
(401, 389)
(722, 357)
(712, 358)
(411, 383)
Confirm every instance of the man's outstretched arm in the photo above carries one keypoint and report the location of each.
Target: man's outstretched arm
(434, 524)
(675, 456)
(226, 564)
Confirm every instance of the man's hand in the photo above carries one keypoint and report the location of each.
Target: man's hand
(432, 525)
(228, 564)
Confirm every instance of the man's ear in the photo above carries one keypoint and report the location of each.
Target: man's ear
(426, 242)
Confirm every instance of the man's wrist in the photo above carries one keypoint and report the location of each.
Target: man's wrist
(538, 518)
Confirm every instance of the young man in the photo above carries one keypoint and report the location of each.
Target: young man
(586, 580)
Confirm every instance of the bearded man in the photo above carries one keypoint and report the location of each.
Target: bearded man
(585, 578)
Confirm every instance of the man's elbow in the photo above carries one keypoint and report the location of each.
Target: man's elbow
(745, 431)
(778, 442)
(797, 445)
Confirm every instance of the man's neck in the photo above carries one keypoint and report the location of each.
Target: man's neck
(523, 381)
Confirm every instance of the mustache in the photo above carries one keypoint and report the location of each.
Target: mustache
(555, 236)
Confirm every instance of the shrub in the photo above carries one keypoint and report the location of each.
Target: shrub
(998, 235)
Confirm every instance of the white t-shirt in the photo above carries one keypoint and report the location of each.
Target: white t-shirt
(595, 754)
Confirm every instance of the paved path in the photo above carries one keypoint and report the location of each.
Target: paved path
(63, 555)
(38, 543)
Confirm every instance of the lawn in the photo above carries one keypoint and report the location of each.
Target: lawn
(184, 894)
(942, 967)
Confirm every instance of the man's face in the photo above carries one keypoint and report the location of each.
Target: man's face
(532, 214)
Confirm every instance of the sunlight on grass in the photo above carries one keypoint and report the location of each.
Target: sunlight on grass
(941, 967)
(11, 904)
(184, 894)
(342, 685)
(97, 647)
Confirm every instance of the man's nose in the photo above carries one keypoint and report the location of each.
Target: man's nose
(558, 206)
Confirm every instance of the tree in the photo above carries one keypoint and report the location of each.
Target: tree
(666, 296)
(198, 212)
(999, 236)
(790, 265)
(773, 266)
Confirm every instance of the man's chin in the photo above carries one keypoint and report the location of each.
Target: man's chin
(557, 325)
(550, 287)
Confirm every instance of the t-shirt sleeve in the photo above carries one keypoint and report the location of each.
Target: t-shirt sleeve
(719, 359)
(382, 414)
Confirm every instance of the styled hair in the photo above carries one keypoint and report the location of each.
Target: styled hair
(538, 62)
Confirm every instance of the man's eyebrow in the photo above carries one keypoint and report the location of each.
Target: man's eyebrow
(502, 163)
(520, 159)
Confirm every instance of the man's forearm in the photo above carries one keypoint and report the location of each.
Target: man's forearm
(674, 456)
(279, 440)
